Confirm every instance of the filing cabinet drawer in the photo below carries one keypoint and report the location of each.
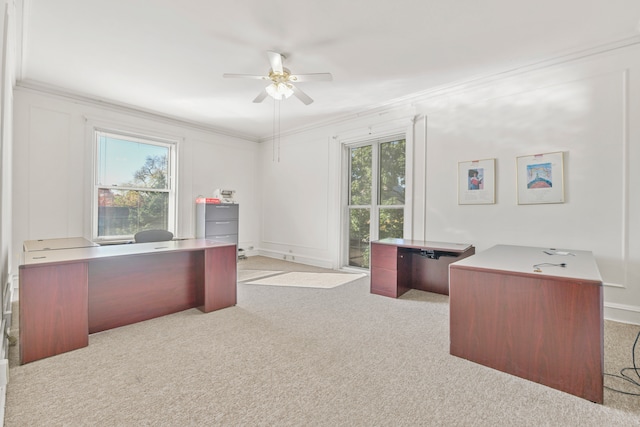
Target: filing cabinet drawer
(222, 227)
(221, 212)
(225, 238)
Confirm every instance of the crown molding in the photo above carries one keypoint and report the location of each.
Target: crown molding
(57, 92)
(480, 80)
(407, 104)
(404, 106)
(395, 112)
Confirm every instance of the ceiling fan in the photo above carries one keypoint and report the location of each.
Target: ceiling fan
(282, 81)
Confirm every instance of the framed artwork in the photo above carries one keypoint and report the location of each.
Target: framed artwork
(540, 178)
(477, 182)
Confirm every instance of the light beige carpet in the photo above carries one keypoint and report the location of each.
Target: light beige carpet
(308, 280)
(287, 356)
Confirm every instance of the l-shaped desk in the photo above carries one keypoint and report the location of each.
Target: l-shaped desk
(67, 294)
(398, 265)
(536, 313)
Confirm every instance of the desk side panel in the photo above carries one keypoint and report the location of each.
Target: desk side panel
(130, 289)
(388, 271)
(384, 282)
(220, 279)
(53, 310)
(542, 329)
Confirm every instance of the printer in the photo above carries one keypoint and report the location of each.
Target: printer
(225, 196)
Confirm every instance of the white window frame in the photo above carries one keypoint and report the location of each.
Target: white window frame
(374, 206)
(171, 144)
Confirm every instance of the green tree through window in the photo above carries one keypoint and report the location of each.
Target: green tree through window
(133, 178)
(375, 169)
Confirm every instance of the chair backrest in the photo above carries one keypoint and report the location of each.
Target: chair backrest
(152, 236)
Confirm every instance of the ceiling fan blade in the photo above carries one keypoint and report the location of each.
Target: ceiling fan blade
(311, 77)
(306, 99)
(275, 59)
(261, 96)
(245, 76)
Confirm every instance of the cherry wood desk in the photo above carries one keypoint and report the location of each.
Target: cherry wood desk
(545, 326)
(67, 294)
(398, 265)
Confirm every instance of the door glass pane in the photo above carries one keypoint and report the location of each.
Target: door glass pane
(360, 181)
(392, 173)
(359, 236)
(391, 223)
(376, 196)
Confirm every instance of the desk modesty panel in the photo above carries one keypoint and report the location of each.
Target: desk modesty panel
(518, 310)
(65, 294)
(398, 265)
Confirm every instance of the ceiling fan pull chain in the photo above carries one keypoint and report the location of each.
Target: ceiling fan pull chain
(273, 141)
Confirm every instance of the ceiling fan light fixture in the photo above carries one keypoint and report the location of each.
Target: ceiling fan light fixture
(282, 81)
(279, 91)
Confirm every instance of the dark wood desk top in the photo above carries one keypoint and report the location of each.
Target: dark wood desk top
(425, 245)
(36, 258)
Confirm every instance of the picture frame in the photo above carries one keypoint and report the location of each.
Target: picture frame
(540, 178)
(477, 182)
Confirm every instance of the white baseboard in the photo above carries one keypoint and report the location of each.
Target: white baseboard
(293, 257)
(622, 313)
(9, 295)
(3, 400)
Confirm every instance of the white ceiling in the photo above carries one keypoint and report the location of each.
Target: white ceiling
(168, 56)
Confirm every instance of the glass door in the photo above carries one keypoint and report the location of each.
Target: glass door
(376, 196)
(360, 190)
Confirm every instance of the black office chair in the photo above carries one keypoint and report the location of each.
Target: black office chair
(152, 236)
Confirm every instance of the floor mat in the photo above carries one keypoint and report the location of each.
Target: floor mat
(308, 280)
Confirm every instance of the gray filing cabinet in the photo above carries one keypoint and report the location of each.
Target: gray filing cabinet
(217, 221)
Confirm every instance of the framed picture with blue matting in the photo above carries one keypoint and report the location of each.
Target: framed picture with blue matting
(540, 178)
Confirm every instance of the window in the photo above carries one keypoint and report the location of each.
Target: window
(376, 196)
(133, 186)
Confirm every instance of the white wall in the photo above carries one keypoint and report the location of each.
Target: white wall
(291, 202)
(302, 184)
(52, 166)
(7, 76)
(588, 108)
(7, 58)
(584, 108)
(295, 201)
